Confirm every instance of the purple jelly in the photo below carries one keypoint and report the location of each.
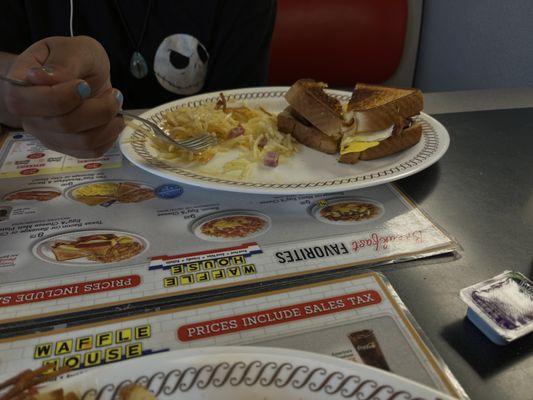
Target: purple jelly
(502, 307)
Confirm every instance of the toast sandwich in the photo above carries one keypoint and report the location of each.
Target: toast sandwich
(381, 122)
(376, 122)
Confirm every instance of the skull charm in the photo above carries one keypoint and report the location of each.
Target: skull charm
(180, 64)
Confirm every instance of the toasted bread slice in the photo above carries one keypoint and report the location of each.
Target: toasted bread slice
(401, 139)
(325, 112)
(289, 122)
(378, 107)
(406, 138)
(350, 158)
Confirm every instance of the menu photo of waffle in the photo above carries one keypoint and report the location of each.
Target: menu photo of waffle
(347, 210)
(36, 194)
(232, 225)
(90, 247)
(107, 192)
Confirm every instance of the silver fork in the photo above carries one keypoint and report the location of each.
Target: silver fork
(194, 144)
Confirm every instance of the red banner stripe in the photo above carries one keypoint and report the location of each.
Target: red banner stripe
(74, 289)
(279, 315)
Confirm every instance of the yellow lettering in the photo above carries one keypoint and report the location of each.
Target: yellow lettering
(123, 335)
(142, 332)
(63, 347)
(104, 339)
(223, 262)
(43, 350)
(208, 264)
(193, 267)
(134, 350)
(92, 358)
(170, 282)
(238, 259)
(73, 361)
(186, 279)
(52, 361)
(176, 269)
(84, 343)
(202, 276)
(249, 269)
(233, 271)
(113, 354)
(218, 274)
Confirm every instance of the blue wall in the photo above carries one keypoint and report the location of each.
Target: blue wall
(475, 44)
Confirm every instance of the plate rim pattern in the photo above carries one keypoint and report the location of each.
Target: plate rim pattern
(139, 144)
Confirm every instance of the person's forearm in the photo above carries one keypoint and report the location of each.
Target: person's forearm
(6, 118)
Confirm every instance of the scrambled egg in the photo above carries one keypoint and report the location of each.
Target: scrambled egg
(353, 142)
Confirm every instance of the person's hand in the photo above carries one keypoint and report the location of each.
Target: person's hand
(72, 108)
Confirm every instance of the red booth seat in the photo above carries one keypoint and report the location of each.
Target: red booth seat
(340, 42)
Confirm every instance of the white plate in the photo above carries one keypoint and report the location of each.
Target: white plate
(308, 171)
(33, 189)
(247, 373)
(196, 226)
(69, 193)
(318, 206)
(43, 249)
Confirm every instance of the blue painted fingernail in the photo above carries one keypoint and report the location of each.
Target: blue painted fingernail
(84, 90)
(119, 97)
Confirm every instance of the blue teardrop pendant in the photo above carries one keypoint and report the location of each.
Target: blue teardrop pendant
(138, 65)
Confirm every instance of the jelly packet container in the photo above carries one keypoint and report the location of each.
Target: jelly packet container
(501, 307)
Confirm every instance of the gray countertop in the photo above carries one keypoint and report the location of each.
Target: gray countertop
(472, 100)
(477, 100)
(481, 193)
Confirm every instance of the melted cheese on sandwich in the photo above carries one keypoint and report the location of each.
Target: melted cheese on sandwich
(353, 141)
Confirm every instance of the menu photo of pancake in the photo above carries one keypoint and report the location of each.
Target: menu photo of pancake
(232, 225)
(347, 210)
(90, 247)
(36, 194)
(108, 192)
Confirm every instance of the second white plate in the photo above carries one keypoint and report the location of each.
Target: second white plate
(244, 373)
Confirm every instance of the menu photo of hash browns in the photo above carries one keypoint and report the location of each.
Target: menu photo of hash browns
(90, 247)
(107, 192)
(227, 226)
(36, 194)
(347, 210)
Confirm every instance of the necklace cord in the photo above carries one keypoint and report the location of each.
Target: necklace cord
(127, 28)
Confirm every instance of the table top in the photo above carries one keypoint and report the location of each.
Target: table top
(481, 194)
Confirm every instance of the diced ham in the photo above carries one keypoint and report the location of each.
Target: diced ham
(271, 159)
(262, 142)
(237, 131)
